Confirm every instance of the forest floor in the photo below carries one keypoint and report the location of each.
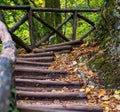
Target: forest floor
(76, 64)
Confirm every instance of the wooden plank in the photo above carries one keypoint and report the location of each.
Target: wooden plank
(64, 10)
(51, 53)
(55, 49)
(86, 19)
(19, 23)
(30, 20)
(46, 24)
(61, 107)
(17, 7)
(23, 62)
(49, 82)
(20, 42)
(79, 95)
(38, 59)
(50, 34)
(74, 25)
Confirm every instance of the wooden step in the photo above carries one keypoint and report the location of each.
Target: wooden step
(55, 49)
(35, 72)
(44, 54)
(46, 96)
(32, 66)
(59, 108)
(72, 43)
(38, 59)
(46, 83)
(23, 62)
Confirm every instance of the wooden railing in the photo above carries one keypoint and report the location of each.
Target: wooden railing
(31, 13)
(7, 59)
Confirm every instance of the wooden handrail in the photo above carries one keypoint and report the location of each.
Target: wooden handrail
(31, 13)
(64, 10)
(7, 58)
(17, 7)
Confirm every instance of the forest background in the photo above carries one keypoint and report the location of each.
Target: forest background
(106, 34)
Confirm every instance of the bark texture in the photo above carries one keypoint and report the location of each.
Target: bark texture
(7, 58)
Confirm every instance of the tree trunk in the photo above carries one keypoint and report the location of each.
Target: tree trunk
(54, 19)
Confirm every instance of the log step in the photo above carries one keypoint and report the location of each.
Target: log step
(32, 66)
(35, 72)
(63, 51)
(55, 49)
(72, 43)
(59, 108)
(44, 54)
(43, 96)
(22, 62)
(37, 77)
(47, 89)
(46, 83)
(38, 59)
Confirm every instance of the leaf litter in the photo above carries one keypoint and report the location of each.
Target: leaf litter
(75, 64)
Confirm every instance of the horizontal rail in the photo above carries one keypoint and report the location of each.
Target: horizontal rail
(64, 10)
(32, 14)
(8, 7)
(27, 7)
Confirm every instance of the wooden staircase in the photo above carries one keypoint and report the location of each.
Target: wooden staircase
(40, 90)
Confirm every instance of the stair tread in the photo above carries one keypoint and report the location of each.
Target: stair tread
(72, 107)
(53, 49)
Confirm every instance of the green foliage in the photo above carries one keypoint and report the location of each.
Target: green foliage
(40, 29)
(12, 102)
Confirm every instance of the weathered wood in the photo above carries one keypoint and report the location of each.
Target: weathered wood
(35, 73)
(50, 34)
(74, 42)
(35, 70)
(40, 88)
(8, 7)
(32, 40)
(46, 24)
(46, 82)
(38, 77)
(23, 62)
(59, 95)
(51, 53)
(20, 42)
(55, 49)
(63, 51)
(7, 58)
(61, 107)
(38, 59)
(19, 23)
(86, 19)
(64, 10)
(74, 25)
(32, 66)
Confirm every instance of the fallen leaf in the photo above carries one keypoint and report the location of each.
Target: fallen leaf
(117, 108)
(101, 92)
(105, 98)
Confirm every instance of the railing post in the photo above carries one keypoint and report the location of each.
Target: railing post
(74, 25)
(30, 20)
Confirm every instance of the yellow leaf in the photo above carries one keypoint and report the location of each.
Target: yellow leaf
(82, 90)
(102, 92)
(88, 90)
